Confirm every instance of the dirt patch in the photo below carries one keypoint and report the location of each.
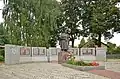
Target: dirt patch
(1, 62)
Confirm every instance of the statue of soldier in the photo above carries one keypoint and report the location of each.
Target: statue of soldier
(64, 42)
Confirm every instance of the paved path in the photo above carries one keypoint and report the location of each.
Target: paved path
(112, 70)
(43, 71)
(113, 66)
(107, 73)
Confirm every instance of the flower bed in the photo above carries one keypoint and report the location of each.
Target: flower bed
(84, 68)
(81, 65)
(72, 61)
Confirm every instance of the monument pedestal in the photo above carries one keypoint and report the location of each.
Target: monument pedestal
(62, 57)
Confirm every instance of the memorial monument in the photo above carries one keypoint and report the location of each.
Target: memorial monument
(64, 43)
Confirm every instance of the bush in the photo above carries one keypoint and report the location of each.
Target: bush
(81, 63)
(78, 63)
(71, 60)
(2, 52)
(1, 58)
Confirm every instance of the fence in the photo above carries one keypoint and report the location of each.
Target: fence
(113, 56)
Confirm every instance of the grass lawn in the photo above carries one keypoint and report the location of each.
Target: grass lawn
(111, 60)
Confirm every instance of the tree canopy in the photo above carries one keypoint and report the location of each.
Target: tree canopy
(40, 22)
(100, 16)
(93, 18)
(31, 22)
(68, 20)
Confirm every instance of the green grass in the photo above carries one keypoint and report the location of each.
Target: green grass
(113, 60)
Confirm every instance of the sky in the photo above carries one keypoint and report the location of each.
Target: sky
(1, 5)
(115, 39)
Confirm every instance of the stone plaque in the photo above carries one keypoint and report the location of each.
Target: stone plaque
(35, 51)
(90, 51)
(75, 51)
(24, 51)
(53, 51)
(101, 54)
(84, 51)
(87, 51)
(42, 51)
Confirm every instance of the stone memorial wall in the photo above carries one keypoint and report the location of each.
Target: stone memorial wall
(21, 54)
(75, 51)
(101, 54)
(87, 54)
(54, 53)
(25, 51)
(12, 54)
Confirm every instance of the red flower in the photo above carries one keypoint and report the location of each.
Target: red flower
(94, 64)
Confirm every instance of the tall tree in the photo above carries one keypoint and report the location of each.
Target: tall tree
(117, 26)
(82, 42)
(68, 20)
(3, 36)
(30, 22)
(91, 42)
(99, 16)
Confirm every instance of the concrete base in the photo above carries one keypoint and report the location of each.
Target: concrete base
(84, 68)
(62, 57)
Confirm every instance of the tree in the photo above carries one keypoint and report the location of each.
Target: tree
(82, 43)
(30, 22)
(68, 20)
(3, 36)
(99, 16)
(91, 42)
(113, 49)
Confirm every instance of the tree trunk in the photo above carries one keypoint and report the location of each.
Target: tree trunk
(72, 42)
(99, 40)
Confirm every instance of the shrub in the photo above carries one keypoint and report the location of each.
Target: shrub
(2, 52)
(78, 63)
(81, 63)
(71, 60)
(1, 58)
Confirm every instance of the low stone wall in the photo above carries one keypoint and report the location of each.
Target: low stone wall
(21, 54)
(16, 54)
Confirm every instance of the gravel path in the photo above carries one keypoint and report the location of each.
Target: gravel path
(43, 71)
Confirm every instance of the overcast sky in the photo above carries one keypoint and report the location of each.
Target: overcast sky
(1, 5)
(115, 39)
